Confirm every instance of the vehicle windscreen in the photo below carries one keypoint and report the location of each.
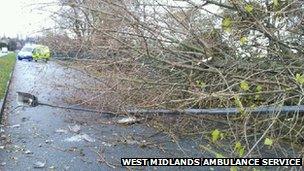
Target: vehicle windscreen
(27, 49)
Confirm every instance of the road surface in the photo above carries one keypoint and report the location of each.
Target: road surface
(59, 139)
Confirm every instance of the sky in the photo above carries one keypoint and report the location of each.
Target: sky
(28, 17)
(23, 18)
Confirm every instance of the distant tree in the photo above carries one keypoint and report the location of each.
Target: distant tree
(12, 45)
(3, 44)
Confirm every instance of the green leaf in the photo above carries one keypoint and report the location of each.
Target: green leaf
(233, 168)
(218, 155)
(238, 102)
(244, 85)
(243, 40)
(258, 88)
(237, 146)
(299, 79)
(249, 8)
(268, 142)
(239, 105)
(239, 149)
(227, 24)
(216, 134)
(200, 84)
(276, 3)
(256, 97)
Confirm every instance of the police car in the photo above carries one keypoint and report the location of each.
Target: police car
(34, 52)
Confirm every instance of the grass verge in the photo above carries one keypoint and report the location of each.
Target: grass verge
(6, 66)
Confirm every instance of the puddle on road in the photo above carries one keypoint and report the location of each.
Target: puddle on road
(80, 137)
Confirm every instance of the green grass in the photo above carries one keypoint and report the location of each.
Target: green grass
(6, 66)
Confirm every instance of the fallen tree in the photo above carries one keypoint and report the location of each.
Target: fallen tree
(153, 55)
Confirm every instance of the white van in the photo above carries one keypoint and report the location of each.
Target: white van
(4, 50)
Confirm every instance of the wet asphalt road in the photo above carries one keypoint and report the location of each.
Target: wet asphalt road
(44, 138)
